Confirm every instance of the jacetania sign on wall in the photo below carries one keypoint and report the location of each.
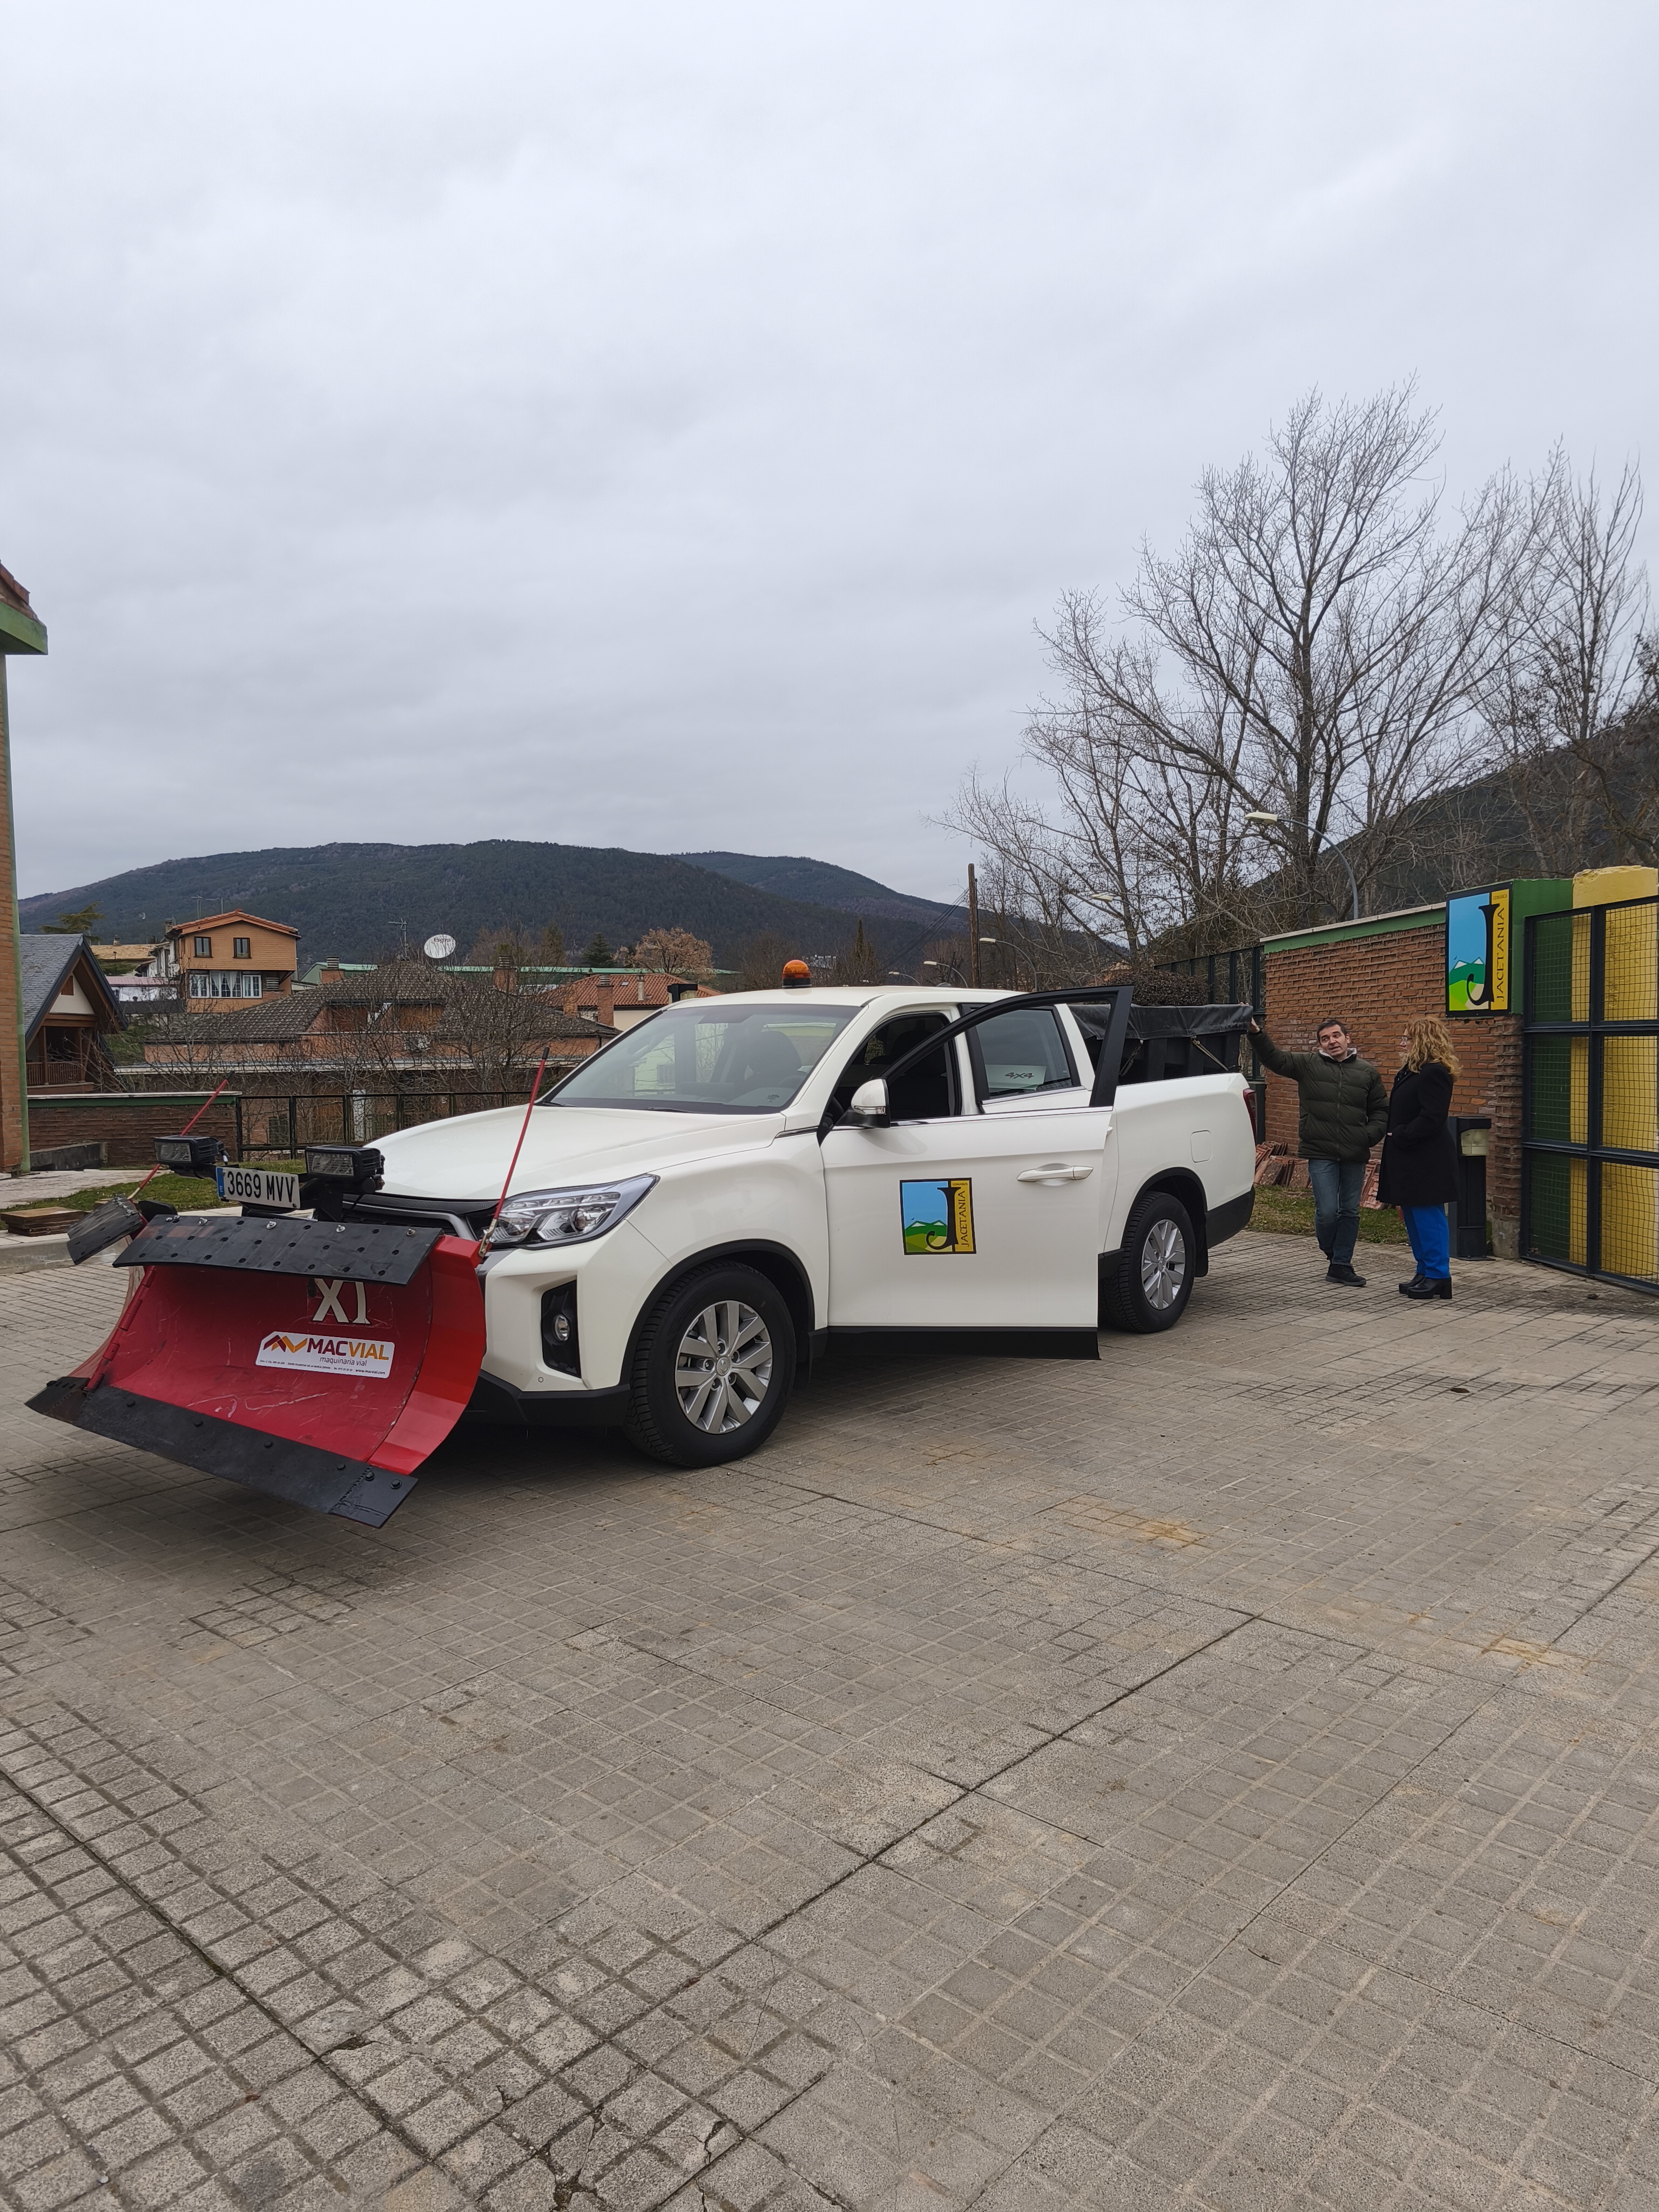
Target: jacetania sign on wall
(1478, 951)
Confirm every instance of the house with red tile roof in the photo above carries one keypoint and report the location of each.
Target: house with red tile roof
(619, 1001)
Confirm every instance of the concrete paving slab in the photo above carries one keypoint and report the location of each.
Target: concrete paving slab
(1223, 1776)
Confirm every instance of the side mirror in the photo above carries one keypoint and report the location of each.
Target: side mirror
(869, 1107)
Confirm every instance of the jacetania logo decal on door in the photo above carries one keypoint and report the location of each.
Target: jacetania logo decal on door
(359, 1356)
(937, 1217)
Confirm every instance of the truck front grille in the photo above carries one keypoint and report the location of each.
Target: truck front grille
(456, 1217)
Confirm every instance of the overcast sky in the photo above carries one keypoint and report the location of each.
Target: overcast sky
(661, 425)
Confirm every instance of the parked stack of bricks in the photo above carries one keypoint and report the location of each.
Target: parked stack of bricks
(1374, 984)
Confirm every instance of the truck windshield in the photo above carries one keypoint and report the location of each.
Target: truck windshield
(713, 1057)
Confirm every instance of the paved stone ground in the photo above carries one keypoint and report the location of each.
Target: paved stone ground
(1227, 1776)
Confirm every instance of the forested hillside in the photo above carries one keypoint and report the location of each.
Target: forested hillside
(356, 902)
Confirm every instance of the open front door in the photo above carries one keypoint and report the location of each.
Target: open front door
(977, 1221)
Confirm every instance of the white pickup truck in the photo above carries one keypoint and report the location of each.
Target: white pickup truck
(702, 1203)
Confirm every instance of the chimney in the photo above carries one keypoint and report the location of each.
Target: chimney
(332, 972)
(505, 978)
(604, 1005)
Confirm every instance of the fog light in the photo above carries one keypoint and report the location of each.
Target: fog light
(353, 1164)
(560, 1347)
(191, 1155)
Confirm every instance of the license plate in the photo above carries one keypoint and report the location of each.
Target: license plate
(260, 1186)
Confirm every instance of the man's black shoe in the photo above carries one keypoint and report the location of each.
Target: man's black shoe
(1343, 1272)
(1407, 1289)
(1432, 1286)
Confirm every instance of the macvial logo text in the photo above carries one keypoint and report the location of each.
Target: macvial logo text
(364, 1357)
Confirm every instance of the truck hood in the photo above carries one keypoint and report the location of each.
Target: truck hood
(466, 1159)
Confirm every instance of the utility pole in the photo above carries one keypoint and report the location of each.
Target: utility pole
(21, 631)
(973, 928)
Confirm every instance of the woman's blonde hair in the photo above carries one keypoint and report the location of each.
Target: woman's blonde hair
(1428, 1038)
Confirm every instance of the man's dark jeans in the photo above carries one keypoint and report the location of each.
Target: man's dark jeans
(1336, 1188)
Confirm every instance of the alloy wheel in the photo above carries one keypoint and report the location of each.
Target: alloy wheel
(1163, 1265)
(723, 1368)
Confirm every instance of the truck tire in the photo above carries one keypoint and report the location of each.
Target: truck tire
(1148, 1289)
(689, 1402)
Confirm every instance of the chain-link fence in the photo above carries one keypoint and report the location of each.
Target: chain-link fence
(1590, 1190)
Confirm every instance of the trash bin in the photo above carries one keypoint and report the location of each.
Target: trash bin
(1470, 1132)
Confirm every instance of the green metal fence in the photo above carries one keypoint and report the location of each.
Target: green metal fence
(1589, 1164)
(281, 1127)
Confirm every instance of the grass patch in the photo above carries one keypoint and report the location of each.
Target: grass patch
(1291, 1213)
(189, 1194)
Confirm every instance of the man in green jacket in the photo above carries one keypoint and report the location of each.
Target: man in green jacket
(1344, 1112)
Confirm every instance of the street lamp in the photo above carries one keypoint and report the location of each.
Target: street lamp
(1093, 898)
(1271, 822)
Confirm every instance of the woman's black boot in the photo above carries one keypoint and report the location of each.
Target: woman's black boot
(1409, 1290)
(1434, 1286)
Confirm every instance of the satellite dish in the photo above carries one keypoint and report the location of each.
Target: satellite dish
(439, 947)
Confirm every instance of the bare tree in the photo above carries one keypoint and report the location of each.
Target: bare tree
(674, 951)
(501, 1033)
(858, 961)
(1326, 636)
(1312, 651)
(1572, 704)
(1161, 825)
(944, 959)
(760, 967)
(506, 945)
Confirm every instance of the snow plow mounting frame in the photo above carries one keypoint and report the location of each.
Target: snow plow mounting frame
(208, 1365)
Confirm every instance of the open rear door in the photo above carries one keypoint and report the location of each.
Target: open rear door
(321, 1362)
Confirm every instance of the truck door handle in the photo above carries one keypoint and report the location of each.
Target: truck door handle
(1054, 1172)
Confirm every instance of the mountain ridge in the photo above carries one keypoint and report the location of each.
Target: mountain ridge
(355, 902)
(796, 876)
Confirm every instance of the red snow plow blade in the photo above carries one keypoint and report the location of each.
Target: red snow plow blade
(319, 1361)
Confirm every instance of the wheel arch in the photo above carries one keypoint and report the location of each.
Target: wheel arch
(781, 1267)
(1181, 1183)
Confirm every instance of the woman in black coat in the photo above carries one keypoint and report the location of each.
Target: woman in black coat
(1418, 1172)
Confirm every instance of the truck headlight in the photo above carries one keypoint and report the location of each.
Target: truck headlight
(568, 1217)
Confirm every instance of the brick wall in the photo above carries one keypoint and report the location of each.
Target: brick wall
(1373, 983)
(127, 1123)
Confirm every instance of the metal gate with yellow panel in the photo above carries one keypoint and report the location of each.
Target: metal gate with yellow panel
(1589, 1174)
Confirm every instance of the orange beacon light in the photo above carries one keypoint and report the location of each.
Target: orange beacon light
(796, 975)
